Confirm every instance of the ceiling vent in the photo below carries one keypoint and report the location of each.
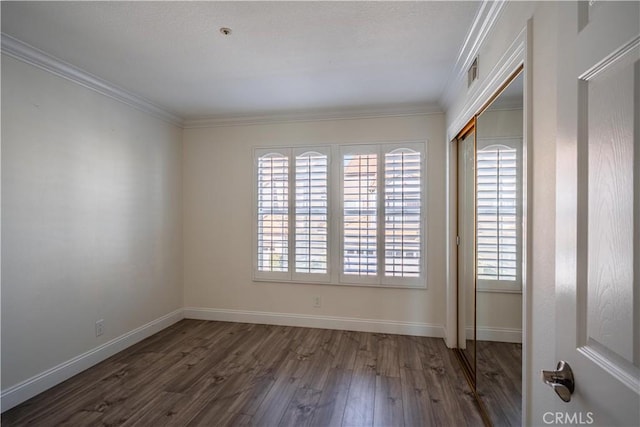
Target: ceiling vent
(472, 73)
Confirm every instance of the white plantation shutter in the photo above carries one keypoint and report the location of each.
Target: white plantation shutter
(273, 213)
(382, 236)
(311, 210)
(498, 214)
(360, 214)
(402, 202)
(358, 220)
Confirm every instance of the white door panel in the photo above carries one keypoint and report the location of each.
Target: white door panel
(598, 228)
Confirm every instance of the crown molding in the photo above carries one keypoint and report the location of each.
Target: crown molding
(480, 93)
(402, 110)
(26, 53)
(481, 26)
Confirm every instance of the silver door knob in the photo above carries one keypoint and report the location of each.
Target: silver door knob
(561, 380)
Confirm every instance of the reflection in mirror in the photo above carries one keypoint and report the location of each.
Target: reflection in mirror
(499, 132)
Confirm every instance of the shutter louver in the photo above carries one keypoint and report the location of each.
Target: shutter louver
(497, 214)
(273, 213)
(311, 230)
(402, 213)
(360, 200)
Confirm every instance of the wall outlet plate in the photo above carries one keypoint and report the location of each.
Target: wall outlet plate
(317, 302)
(99, 327)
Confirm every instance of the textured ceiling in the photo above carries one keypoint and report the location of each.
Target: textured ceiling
(281, 56)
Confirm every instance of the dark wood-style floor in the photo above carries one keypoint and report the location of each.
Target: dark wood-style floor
(499, 381)
(204, 373)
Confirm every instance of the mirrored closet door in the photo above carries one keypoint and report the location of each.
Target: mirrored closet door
(499, 250)
(490, 201)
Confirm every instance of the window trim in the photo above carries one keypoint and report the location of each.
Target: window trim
(335, 275)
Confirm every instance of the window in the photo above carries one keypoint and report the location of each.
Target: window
(403, 199)
(357, 220)
(273, 213)
(311, 213)
(498, 217)
(360, 214)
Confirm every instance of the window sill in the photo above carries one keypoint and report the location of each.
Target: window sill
(350, 284)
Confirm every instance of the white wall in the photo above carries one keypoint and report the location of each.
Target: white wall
(539, 349)
(91, 220)
(499, 123)
(218, 218)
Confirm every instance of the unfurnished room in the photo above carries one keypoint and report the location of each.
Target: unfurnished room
(320, 213)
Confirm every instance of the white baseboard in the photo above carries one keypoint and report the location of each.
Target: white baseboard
(313, 321)
(496, 334)
(33, 386)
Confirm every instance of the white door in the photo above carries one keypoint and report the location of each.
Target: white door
(598, 211)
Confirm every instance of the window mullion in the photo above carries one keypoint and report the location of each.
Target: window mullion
(292, 213)
(336, 223)
(499, 197)
(381, 219)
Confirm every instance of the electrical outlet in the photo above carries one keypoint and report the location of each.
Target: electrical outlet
(99, 327)
(317, 302)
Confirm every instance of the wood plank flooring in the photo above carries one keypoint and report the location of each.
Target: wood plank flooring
(499, 381)
(200, 373)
